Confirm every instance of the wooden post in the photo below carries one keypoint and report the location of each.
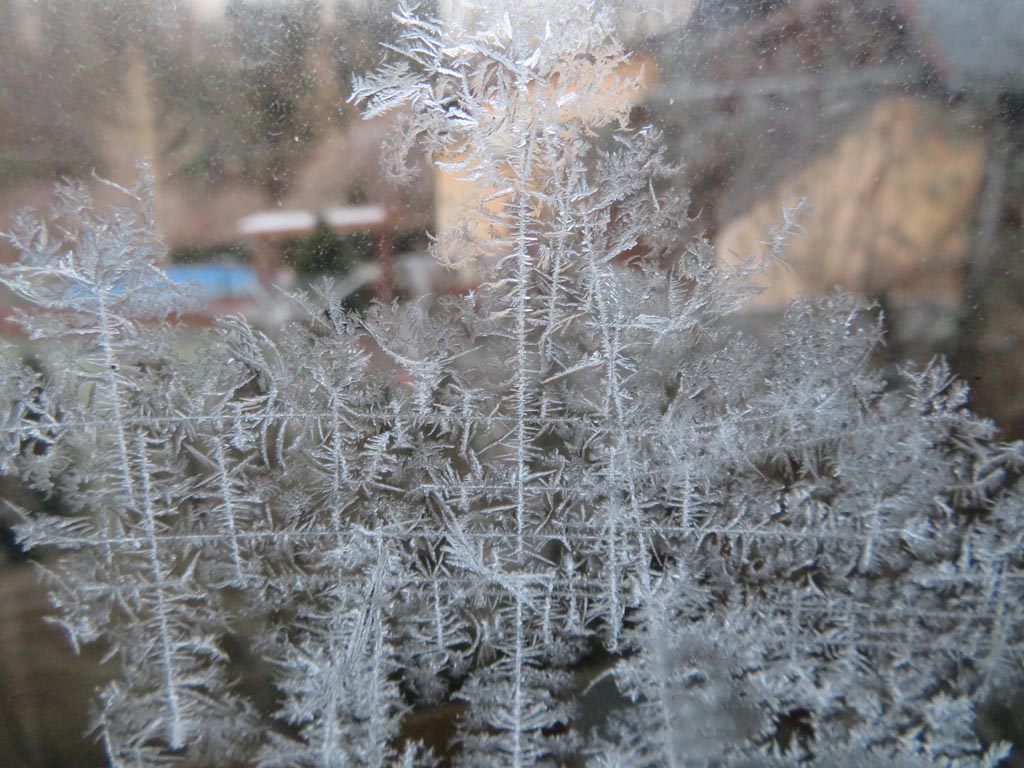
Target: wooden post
(384, 290)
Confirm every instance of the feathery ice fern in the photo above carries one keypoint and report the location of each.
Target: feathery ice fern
(578, 504)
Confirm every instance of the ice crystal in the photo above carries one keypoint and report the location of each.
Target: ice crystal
(580, 504)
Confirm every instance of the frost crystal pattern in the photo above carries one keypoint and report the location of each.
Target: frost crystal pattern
(579, 506)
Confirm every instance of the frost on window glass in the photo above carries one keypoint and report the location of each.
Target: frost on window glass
(547, 384)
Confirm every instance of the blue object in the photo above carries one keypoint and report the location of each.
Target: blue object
(216, 281)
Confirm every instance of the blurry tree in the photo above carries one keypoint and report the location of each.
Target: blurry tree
(273, 43)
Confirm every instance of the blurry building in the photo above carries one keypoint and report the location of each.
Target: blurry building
(899, 123)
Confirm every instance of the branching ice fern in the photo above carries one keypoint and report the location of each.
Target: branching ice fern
(581, 473)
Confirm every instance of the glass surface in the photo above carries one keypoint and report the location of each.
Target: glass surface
(893, 130)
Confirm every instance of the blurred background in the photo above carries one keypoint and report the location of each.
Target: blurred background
(900, 123)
